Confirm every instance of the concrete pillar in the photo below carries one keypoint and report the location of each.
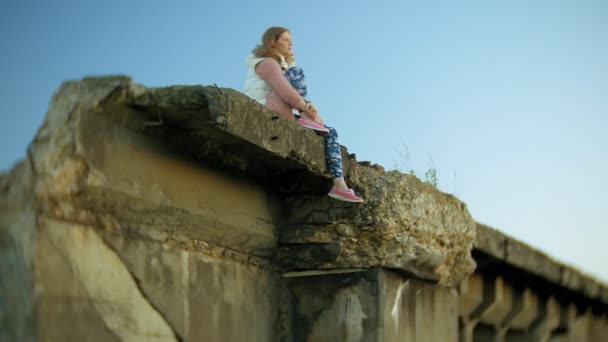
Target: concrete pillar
(566, 322)
(497, 302)
(569, 315)
(534, 322)
(498, 311)
(547, 321)
(469, 299)
(521, 314)
(528, 304)
(466, 329)
(500, 304)
(470, 295)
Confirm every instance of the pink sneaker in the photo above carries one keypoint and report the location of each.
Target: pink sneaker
(346, 196)
(313, 125)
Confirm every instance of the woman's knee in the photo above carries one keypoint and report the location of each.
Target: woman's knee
(332, 132)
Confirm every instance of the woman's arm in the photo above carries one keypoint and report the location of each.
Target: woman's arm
(270, 71)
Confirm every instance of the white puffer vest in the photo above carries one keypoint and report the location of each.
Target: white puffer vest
(255, 86)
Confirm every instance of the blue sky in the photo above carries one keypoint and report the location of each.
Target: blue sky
(508, 99)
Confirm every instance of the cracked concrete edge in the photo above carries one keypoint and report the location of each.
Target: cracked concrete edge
(219, 252)
(106, 223)
(531, 260)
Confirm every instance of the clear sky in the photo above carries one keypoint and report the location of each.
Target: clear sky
(509, 99)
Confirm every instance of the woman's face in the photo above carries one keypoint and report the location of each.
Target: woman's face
(283, 45)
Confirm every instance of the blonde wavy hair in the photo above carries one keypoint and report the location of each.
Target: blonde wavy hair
(268, 46)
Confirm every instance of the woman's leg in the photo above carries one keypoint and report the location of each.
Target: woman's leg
(333, 156)
(295, 76)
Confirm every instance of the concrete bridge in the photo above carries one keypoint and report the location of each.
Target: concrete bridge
(192, 213)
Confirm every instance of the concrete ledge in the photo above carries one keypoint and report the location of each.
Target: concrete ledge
(228, 130)
(521, 255)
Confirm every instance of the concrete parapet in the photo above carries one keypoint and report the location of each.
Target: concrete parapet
(521, 255)
(470, 295)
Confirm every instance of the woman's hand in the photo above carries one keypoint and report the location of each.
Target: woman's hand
(313, 113)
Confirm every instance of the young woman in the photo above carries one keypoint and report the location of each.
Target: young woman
(274, 80)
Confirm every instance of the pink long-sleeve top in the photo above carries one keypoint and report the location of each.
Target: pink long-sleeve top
(283, 98)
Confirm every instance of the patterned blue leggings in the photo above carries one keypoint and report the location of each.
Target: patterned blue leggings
(333, 157)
